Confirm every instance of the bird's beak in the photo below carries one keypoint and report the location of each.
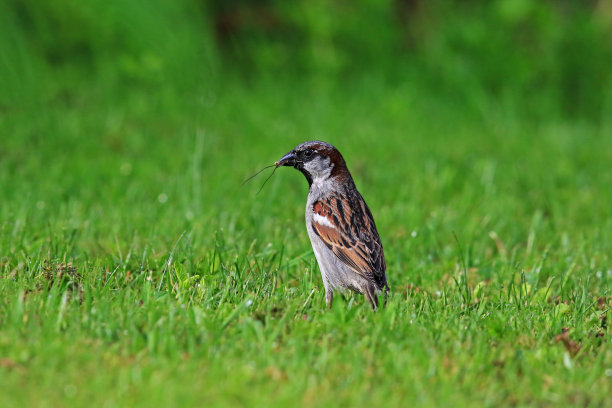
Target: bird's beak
(287, 160)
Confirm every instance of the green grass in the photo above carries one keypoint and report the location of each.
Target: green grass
(136, 270)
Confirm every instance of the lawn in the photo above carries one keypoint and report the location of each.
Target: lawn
(137, 270)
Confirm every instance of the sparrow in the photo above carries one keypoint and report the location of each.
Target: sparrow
(340, 225)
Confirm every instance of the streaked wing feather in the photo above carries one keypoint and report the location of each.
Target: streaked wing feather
(350, 233)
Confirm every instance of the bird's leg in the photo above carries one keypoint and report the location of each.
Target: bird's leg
(386, 292)
(370, 293)
(329, 297)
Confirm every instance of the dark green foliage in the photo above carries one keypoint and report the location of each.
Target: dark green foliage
(543, 59)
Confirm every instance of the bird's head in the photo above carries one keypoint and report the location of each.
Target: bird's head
(318, 161)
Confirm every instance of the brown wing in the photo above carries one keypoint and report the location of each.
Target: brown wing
(347, 228)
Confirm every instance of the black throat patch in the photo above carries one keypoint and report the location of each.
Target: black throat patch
(300, 166)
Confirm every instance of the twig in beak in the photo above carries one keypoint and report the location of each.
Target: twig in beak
(269, 177)
(275, 165)
(256, 174)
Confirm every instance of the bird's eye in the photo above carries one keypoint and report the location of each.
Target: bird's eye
(308, 153)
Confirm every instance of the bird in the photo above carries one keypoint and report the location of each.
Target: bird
(340, 226)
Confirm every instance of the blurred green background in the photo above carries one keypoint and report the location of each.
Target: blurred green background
(545, 60)
(116, 102)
